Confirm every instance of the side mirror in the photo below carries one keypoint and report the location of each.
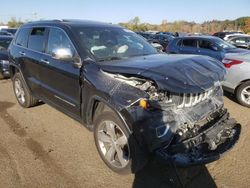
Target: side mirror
(62, 54)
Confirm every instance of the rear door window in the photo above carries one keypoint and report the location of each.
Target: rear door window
(205, 44)
(189, 43)
(22, 37)
(37, 39)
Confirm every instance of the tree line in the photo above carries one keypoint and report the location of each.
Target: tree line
(209, 27)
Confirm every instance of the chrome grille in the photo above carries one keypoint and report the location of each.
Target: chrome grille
(191, 99)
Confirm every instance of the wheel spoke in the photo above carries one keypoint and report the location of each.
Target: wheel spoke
(103, 137)
(248, 100)
(110, 154)
(245, 92)
(111, 130)
(120, 156)
(122, 141)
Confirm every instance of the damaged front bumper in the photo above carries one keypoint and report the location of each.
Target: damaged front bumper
(212, 141)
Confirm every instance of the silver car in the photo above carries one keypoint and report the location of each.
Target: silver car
(238, 76)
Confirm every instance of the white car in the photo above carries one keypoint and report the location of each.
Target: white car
(227, 37)
(238, 76)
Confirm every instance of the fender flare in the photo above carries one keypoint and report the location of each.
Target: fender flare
(19, 70)
(100, 99)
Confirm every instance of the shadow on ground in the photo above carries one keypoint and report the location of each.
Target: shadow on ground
(157, 175)
(230, 96)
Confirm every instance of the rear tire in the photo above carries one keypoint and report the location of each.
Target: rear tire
(115, 145)
(22, 93)
(243, 94)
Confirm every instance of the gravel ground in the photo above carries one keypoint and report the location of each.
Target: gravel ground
(41, 147)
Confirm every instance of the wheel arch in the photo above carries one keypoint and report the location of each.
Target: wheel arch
(238, 85)
(16, 69)
(97, 105)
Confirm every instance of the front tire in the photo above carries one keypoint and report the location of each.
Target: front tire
(117, 148)
(243, 94)
(23, 95)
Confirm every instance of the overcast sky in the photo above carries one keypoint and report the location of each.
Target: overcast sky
(116, 11)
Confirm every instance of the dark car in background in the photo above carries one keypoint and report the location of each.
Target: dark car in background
(4, 59)
(137, 101)
(162, 39)
(146, 35)
(240, 41)
(5, 33)
(150, 38)
(167, 33)
(10, 30)
(203, 45)
(224, 34)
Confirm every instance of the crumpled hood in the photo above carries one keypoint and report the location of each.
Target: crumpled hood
(175, 73)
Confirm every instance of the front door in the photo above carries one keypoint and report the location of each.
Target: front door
(60, 79)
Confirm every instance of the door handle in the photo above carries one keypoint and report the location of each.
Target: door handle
(45, 61)
(22, 53)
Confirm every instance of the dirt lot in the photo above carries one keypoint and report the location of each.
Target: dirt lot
(41, 147)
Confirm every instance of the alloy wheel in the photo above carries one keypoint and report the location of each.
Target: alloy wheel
(245, 95)
(19, 91)
(113, 144)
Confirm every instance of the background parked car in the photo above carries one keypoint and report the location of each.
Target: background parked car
(150, 38)
(146, 35)
(240, 41)
(166, 33)
(5, 33)
(203, 45)
(162, 39)
(4, 59)
(10, 30)
(238, 76)
(224, 34)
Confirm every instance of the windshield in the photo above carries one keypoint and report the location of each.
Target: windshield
(4, 43)
(110, 43)
(223, 44)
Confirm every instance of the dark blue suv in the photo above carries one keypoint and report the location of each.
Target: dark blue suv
(202, 45)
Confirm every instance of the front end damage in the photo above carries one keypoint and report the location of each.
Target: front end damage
(181, 128)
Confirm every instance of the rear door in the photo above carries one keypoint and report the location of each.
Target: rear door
(60, 79)
(189, 46)
(26, 51)
(36, 47)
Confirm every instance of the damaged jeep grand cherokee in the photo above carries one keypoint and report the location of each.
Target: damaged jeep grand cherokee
(138, 102)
